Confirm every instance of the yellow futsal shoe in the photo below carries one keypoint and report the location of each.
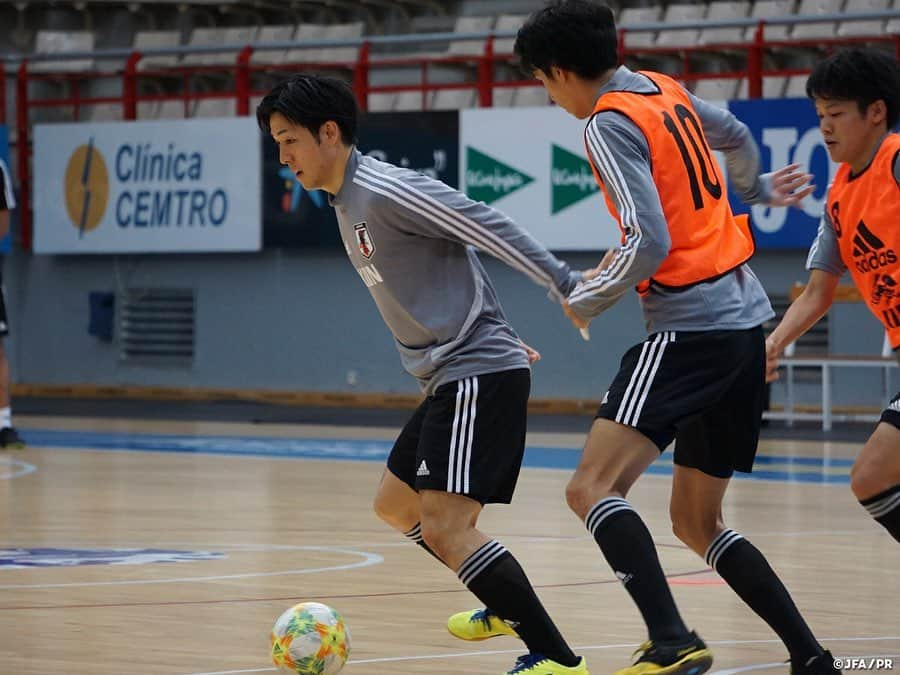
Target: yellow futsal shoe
(538, 664)
(479, 624)
(690, 658)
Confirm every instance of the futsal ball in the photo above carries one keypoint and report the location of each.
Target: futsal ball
(310, 639)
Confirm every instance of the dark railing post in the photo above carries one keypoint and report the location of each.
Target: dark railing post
(186, 92)
(242, 81)
(755, 62)
(361, 77)
(129, 87)
(23, 150)
(424, 82)
(75, 87)
(3, 92)
(486, 74)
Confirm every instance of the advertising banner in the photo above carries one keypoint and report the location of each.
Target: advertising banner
(173, 186)
(787, 132)
(426, 142)
(530, 163)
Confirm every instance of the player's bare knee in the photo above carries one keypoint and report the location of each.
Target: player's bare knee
(382, 509)
(390, 512)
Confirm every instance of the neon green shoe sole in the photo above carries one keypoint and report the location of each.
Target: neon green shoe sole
(537, 664)
(692, 658)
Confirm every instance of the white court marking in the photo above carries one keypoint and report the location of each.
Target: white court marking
(725, 643)
(368, 560)
(13, 468)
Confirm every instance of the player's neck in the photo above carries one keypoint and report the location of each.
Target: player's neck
(865, 156)
(336, 180)
(595, 85)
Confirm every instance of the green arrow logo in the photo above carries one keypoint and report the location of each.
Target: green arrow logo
(489, 179)
(571, 179)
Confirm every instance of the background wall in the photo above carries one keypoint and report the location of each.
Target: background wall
(303, 321)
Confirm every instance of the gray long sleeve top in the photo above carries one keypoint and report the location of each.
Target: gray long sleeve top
(412, 239)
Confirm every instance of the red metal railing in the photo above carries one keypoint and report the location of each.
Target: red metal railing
(484, 66)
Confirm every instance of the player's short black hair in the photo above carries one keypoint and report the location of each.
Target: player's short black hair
(859, 74)
(310, 101)
(575, 35)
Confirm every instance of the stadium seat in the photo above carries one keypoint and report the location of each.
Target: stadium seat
(723, 11)
(631, 16)
(681, 37)
(60, 42)
(825, 29)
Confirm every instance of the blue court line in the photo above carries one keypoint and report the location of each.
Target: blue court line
(808, 469)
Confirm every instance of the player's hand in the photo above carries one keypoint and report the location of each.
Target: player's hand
(789, 186)
(772, 354)
(594, 272)
(533, 354)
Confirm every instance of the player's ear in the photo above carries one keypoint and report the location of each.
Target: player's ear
(330, 131)
(877, 111)
(562, 75)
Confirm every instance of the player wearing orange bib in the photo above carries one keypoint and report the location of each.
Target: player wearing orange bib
(699, 377)
(857, 97)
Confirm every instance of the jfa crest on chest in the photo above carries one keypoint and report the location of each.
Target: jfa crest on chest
(364, 240)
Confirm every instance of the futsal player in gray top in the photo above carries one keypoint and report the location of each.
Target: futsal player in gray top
(412, 241)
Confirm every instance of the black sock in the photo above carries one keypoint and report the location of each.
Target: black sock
(415, 535)
(885, 508)
(748, 573)
(497, 579)
(628, 547)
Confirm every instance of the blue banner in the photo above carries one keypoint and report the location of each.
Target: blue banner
(787, 132)
(6, 242)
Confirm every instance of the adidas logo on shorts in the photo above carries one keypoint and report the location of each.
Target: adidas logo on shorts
(423, 469)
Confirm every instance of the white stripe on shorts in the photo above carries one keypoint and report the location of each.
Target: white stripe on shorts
(642, 378)
(462, 436)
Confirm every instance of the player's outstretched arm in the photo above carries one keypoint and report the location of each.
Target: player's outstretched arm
(423, 206)
(804, 312)
(726, 133)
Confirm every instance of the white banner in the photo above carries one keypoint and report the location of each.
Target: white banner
(531, 164)
(172, 186)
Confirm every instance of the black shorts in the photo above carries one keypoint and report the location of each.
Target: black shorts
(468, 438)
(891, 414)
(706, 390)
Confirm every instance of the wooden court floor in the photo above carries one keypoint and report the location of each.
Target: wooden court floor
(208, 549)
